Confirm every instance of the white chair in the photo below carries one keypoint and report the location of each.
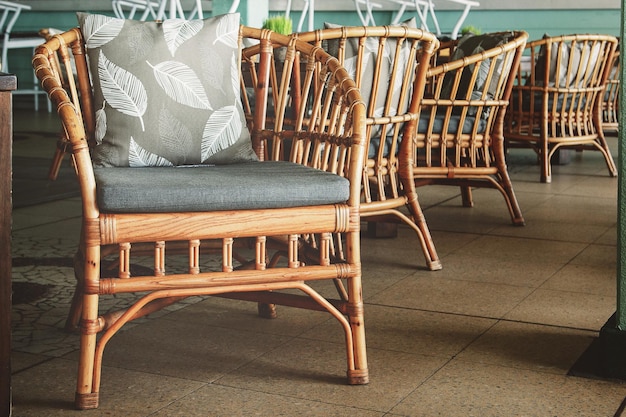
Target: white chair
(424, 9)
(9, 13)
(197, 11)
(366, 16)
(171, 9)
(128, 9)
(307, 9)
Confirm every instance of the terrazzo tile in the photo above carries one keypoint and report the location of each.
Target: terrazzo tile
(529, 346)
(216, 400)
(599, 280)
(315, 371)
(48, 390)
(453, 296)
(578, 208)
(569, 309)
(510, 271)
(597, 255)
(466, 389)
(187, 350)
(538, 228)
(412, 331)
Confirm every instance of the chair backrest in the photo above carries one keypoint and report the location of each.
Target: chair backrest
(464, 105)
(565, 73)
(325, 133)
(610, 102)
(388, 64)
(10, 12)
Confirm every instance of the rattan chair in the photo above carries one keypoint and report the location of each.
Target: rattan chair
(459, 137)
(389, 65)
(610, 102)
(556, 103)
(237, 214)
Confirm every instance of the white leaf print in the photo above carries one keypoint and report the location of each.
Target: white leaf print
(175, 135)
(101, 124)
(140, 43)
(221, 131)
(139, 157)
(177, 31)
(99, 30)
(228, 32)
(212, 69)
(181, 84)
(122, 90)
(234, 74)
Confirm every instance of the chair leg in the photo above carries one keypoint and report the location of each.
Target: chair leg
(604, 147)
(544, 156)
(87, 386)
(63, 147)
(426, 240)
(466, 196)
(72, 322)
(358, 374)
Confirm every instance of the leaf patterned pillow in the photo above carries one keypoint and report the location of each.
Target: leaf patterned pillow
(166, 93)
(370, 55)
(469, 45)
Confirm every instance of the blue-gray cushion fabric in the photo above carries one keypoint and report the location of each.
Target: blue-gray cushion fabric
(166, 93)
(469, 45)
(244, 186)
(422, 127)
(573, 101)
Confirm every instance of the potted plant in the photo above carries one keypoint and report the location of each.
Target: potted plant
(279, 24)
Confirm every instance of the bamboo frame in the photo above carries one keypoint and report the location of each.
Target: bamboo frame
(383, 197)
(557, 105)
(331, 137)
(467, 150)
(610, 101)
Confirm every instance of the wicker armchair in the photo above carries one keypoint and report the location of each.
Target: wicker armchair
(610, 102)
(556, 102)
(459, 137)
(229, 215)
(389, 65)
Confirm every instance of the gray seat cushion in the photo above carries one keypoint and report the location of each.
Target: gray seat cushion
(453, 126)
(250, 185)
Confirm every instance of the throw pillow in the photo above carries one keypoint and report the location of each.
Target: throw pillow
(468, 45)
(166, 93)
(367, 71)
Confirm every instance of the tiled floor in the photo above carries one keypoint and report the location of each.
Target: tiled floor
(492, 334)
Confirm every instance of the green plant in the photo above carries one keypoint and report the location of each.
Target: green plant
(471, 29)
(279, 24)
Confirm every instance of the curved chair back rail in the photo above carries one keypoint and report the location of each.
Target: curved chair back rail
(389, 65)
(459, 138)
(263, 232)
(558, 97)
(610, 101)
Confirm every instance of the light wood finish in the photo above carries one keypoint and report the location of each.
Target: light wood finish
(610, 102)
(331, 136)
(468, 149)
(8, 83)
(549, 113)
(382, 192)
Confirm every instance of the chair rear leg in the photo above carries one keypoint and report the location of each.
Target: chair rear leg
(426, 240)
(466, 196)
(610, 163)
(63, 147)
(87, 385)
(72, 321)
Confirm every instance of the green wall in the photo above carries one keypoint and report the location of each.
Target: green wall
(535, 22)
